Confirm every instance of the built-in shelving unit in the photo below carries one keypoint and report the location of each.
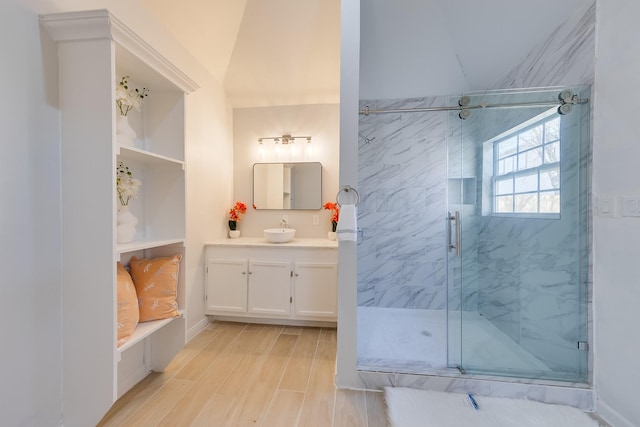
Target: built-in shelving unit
(95, 50)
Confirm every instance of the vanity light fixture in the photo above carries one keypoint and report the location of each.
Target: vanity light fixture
(285, 139)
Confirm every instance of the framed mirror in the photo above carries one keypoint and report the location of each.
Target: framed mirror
(287, 186)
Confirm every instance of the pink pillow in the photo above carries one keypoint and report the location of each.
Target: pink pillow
(128, 313)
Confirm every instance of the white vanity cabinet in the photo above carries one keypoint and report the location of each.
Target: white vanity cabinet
(293, 282)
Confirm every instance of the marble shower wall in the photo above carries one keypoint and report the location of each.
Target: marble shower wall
(564, 58)
(401, 180)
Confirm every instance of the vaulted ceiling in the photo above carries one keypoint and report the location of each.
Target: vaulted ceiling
(285, 52)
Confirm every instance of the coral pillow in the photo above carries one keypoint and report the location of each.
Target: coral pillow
(128, 313)
(156, 282)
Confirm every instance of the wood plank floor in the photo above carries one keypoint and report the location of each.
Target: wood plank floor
(235, 374)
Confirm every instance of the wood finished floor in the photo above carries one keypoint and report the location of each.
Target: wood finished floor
(235, 374)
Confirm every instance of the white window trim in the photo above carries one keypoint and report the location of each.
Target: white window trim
(489, 150)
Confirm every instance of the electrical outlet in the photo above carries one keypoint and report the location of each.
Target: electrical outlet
(316, 219)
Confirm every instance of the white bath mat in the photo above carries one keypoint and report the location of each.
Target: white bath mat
(423, 408)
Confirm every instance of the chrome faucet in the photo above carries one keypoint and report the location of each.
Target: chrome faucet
(283, 223)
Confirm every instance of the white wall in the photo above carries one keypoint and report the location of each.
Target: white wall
(31, 386)
(400, 41)
(346, 369)
(209, 172)
(616, 172)
(31, 320)
(322, 123)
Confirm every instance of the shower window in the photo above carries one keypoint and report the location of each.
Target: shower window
(526, 168)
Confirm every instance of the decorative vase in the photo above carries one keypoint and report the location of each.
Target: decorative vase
(332, 235)
(125, 135)
(126, 225)
(234, 234)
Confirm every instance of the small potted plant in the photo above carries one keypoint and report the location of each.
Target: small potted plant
(234, 216)
(335, 216)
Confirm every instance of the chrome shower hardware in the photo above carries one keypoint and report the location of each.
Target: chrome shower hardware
(566, 99)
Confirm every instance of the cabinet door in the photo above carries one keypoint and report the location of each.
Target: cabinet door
(316, 290)
(226, 286)
(270, 287)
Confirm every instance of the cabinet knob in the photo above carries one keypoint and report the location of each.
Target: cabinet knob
(244, 273)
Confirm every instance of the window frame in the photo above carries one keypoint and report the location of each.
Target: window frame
(539, 120)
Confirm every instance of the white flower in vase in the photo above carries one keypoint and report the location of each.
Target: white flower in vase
(127, 187)
(126, 184)
(127, 99)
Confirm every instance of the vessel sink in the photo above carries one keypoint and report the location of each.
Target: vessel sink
(279, 235)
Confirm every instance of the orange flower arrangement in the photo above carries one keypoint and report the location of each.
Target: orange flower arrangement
(234, 214)
(335, 216)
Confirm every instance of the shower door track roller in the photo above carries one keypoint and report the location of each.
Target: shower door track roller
(451, 217)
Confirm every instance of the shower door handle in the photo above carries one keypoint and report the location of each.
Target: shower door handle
(455, 218)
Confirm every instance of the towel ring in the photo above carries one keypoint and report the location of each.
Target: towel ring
(348, 189)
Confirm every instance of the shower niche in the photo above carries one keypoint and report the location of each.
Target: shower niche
(462, 190)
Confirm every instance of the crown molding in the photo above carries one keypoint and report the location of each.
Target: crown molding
(102, 25)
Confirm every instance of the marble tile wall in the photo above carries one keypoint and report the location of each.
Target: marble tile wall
(566, 57)
(401, 171)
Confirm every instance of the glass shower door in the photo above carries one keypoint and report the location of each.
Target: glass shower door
(518, 215)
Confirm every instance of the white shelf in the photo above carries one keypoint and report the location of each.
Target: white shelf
(87, 42)
(147, 156)
(146, 244)
(145, 329)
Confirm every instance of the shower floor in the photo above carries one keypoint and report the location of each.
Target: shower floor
(415, 341)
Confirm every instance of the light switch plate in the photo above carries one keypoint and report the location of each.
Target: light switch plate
(606, 206)
(316, 219)
(630, 205)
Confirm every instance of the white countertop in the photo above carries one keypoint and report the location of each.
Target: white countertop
(261, 241)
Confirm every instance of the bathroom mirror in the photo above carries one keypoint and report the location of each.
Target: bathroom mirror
(287, 185)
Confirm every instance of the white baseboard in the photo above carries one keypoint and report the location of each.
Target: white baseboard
(197, 328)
(611, 416)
